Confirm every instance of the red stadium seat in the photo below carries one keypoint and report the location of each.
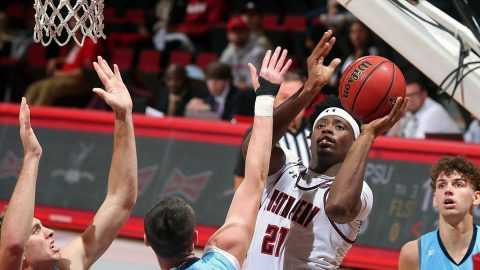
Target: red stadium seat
(270, 21)
(135, 16)
(180, 57)
(203, 59)
(149, 61)
(123, 57)
(149, 71)
(295, 23)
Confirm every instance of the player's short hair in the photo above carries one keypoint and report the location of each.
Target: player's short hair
(169, 227)
(449, 164)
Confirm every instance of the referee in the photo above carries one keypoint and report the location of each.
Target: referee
(296, 139)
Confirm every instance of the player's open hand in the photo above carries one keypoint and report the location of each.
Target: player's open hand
(31, 146)
(318, 73)
(381, 125)
(115, 94)
(273, 68)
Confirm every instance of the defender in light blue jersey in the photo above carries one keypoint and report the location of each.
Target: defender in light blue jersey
(170, 223)
(456, 184)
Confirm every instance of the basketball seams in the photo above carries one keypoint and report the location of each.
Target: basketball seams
(361, 86)
(343, 81)
(386, 93)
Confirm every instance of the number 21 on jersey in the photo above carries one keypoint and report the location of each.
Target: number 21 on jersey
(273, 240)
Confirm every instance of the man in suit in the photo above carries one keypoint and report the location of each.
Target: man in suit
(224, 99)
(179, 89)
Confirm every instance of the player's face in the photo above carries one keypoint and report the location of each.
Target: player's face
(332, 137)
(40, 248)
(454, 195)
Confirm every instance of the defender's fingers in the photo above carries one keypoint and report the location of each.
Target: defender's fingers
(117, 72)
(274, 58)
(286, 67)
(317, 52)
(103, 77)
(253, 70)
(281, 61)
(107, 69)
(329, 46)
(266, 59)
(22, 112)
(335, 63)
(102, 93)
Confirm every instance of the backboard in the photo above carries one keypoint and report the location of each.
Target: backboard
(411, 30)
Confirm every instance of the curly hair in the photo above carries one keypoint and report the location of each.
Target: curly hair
(447, 165)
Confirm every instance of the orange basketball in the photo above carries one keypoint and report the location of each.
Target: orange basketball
(369, 87)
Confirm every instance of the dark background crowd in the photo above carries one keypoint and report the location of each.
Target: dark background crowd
(188, 58)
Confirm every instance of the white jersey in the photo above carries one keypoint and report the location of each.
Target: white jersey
(293, 230)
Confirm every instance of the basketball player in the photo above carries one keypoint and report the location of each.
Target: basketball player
(456, 185)
(170, 223)
(310, 217)
(25, 243)
(296, 138)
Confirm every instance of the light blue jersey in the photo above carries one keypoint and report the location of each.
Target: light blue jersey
(213, 259)
(433, 254)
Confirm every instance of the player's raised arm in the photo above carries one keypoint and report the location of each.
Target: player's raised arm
(16, 225)
(122, 180)
(343, 203)
(236, 234)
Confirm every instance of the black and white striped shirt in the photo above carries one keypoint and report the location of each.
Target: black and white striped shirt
(298, 143)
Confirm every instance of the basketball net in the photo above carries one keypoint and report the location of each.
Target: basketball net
(52, 21)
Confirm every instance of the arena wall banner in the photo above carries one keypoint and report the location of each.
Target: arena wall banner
(195, 159)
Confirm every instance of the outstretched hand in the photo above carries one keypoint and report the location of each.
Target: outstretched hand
(273, 68)
(115, 94)
(318, 73)
(31, 146)
(381, 125)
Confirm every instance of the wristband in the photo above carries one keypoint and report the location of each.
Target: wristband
(267, 88)
(264, 105)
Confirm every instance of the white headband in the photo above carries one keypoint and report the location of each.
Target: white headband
(343, 114)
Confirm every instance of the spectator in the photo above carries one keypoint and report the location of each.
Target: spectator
(255, 24)
(67, 81)
(166, 14)
(224, 99)
(201, 15)
(240, 51)
(360, 43)
(179, 90)
(296, 139)
(336, 17)
(472, 134)
(424, 115)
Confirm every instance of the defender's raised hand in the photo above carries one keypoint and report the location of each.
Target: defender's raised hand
(273, 68)
(31, 146)
(115, 94)
(318, 73)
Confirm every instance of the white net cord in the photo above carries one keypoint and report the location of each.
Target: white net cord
(52, 19)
